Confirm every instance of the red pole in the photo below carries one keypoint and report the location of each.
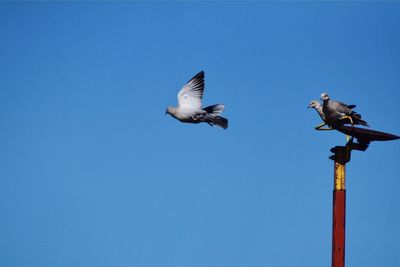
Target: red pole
(339, 208)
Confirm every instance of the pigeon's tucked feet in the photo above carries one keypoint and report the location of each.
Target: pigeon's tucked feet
(199, 116)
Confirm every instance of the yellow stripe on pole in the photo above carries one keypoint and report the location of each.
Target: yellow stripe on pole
(340, 176)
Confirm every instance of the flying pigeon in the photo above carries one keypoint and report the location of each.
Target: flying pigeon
(189, 108)
(337, 113)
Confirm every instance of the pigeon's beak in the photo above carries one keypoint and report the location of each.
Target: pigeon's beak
(309, 106)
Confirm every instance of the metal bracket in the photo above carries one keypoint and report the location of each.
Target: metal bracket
(342, 154)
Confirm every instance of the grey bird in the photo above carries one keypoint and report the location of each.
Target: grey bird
(318, 107)
(190, 109)
(337, 113)
(315, 104)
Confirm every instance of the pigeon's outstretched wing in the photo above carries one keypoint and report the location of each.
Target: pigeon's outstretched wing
(189, 97)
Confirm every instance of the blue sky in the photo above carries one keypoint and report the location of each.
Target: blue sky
(92, 173)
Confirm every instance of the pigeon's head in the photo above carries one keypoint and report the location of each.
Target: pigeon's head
(314, 104)
(168, 110)
(324, 97)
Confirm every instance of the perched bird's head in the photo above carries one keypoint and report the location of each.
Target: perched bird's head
(324, 97)
(314, 104)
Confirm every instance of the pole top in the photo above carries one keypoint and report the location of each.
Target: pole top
(341, 154)
(366, 135)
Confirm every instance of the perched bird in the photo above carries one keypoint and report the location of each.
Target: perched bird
(189, 108)
(337, 114)
(318, 107)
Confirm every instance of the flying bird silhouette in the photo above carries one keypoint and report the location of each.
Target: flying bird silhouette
(189, 109)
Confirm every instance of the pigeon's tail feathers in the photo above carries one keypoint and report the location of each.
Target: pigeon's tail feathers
(351, 106)
(216, 120)
(357, 120)
(215, 110)
(212, 116)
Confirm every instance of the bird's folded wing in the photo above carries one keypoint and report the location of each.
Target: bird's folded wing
(341, 107)
(189, 97)
(348, 106)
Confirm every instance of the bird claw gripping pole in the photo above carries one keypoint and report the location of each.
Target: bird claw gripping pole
(350, 119)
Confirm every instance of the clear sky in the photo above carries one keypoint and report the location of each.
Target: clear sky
(93, 173)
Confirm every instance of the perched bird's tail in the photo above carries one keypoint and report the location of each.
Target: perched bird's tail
(212, 117)
(357, 119)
